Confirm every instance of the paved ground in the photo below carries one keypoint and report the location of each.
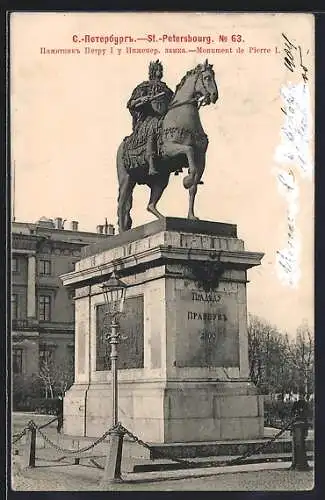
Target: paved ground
(49, 476)
(240, 478)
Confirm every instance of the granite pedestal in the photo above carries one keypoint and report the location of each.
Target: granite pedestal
(183, 366)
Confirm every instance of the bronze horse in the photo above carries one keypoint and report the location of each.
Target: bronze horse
(183, 145)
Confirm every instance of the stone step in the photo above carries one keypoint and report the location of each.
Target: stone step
(162, 465)
(222, 448)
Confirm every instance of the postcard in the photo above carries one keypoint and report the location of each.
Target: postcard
(202, 122)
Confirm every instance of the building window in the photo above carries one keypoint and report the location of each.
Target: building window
(14, 306)
(14, 265)
(17, 361)
(44, 308)
(45, 267)
(45, 356)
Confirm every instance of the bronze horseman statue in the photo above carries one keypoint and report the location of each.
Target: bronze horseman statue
(148, 103)
(141, 104)
(167, 137)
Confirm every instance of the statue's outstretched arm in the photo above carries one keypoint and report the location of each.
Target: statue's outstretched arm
(138, 92)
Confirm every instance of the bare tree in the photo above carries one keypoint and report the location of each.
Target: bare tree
(47, 374)
(267, 354)
(56, 376)
(302, 360)
(279, 365)
(66, 375)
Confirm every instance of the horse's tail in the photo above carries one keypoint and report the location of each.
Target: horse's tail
(120, 167)
(125, 192)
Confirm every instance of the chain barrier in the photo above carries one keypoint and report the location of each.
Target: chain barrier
(262, 447)
(120, 428)
(69, 451)
(48, 423)
(233, 461)
(136, 439)
(17, 437)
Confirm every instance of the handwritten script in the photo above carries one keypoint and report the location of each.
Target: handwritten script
(296, 130)
(290, 58)
(294, 149)
(287, 259)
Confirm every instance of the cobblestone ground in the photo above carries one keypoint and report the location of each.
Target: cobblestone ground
(80, 479)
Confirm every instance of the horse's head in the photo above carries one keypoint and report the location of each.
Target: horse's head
(198, 85)
(205, 85)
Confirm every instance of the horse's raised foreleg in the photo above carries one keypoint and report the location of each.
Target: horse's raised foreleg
(157, 187)
(189, 180)
(193, 189)
(173, 149)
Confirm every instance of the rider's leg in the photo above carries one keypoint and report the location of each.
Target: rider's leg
(152, 168)
(152, 154)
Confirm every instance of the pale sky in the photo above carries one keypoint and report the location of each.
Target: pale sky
(69, 116)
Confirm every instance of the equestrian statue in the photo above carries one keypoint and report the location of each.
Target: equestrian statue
(167, 136)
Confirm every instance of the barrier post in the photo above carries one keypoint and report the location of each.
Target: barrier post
(299, 432)
(112, 472)
(299, 455)
(30, 450)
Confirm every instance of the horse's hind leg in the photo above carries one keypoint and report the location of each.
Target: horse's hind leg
(125, 194)
(157, 186)
(125, 199)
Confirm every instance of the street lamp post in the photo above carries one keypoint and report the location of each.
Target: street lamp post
(114, 341)
(114, 294)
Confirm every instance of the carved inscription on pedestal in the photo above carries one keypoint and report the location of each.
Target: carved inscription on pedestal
(131, 347)
(207, 329)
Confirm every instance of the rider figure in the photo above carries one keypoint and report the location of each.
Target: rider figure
(143, 106)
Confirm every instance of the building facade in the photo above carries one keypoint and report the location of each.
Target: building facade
(42, 310)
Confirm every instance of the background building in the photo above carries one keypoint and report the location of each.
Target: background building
(42, 309)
